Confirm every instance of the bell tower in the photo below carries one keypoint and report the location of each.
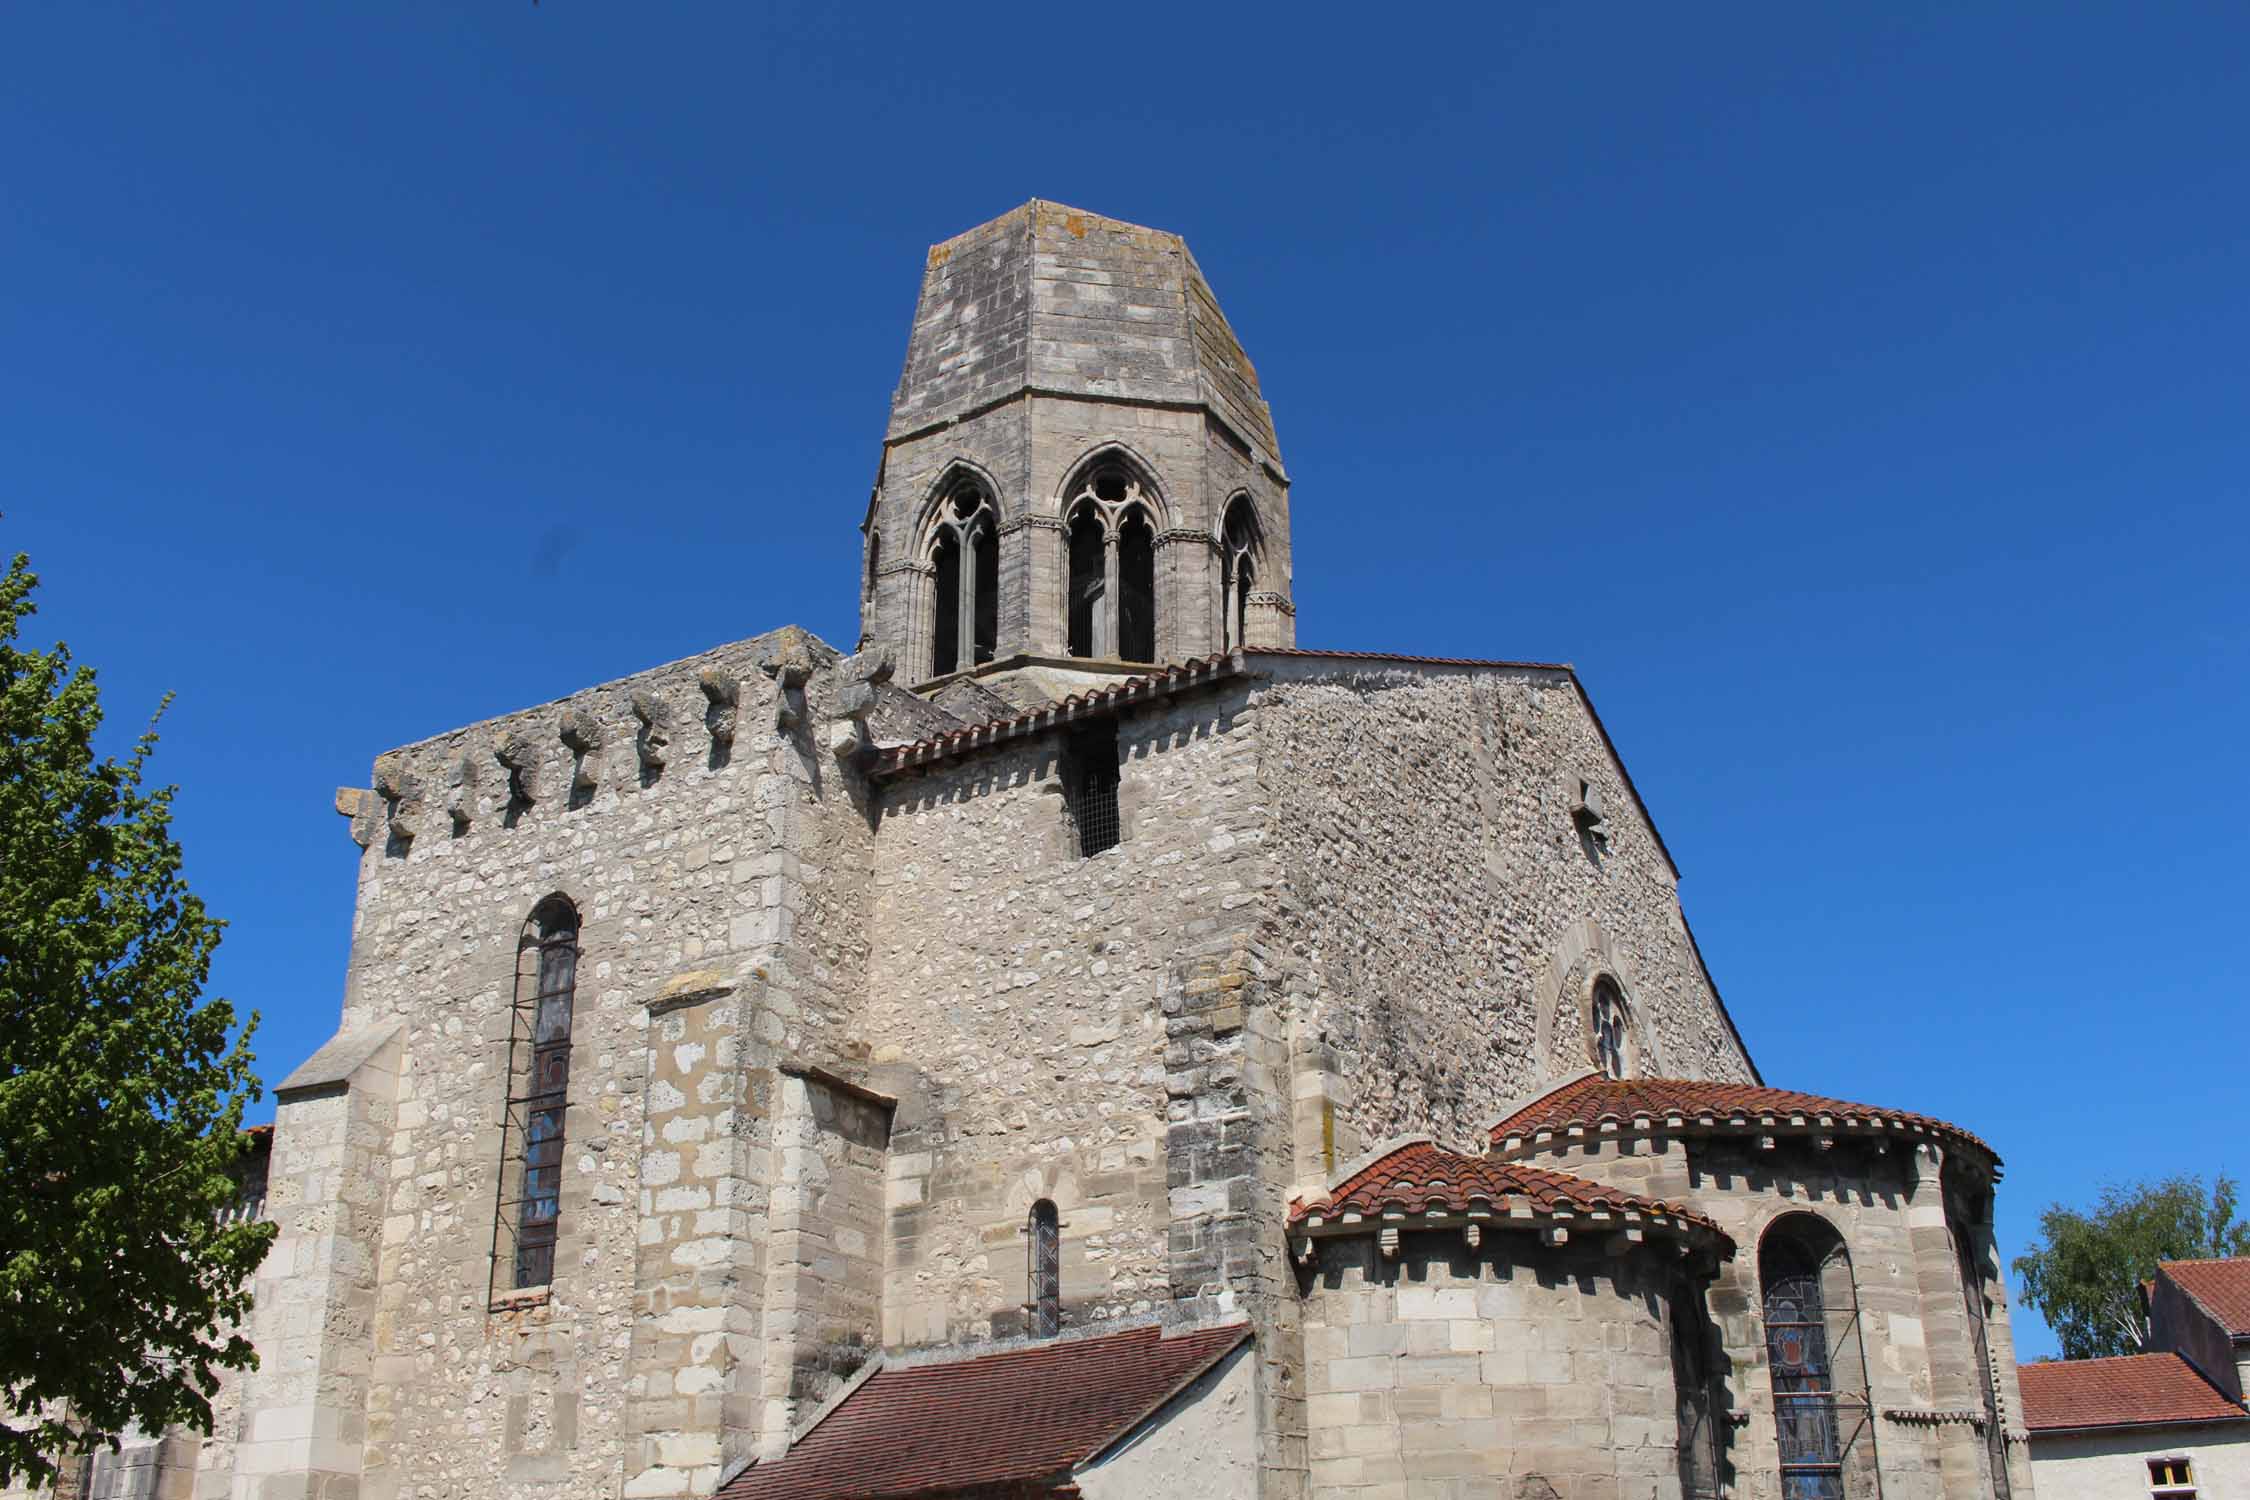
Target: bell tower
(1080, 477)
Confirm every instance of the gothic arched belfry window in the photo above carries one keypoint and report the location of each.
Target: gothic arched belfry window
(1238, 561)
(1111, 525)
(964, 557)
(530, 1216)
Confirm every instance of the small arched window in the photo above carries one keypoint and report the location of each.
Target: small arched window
(1606, 1028)
(1044, 1301)
(964, 552)
(1112, 588)
(1821, 1414)
(538, 1088)
(874, 560)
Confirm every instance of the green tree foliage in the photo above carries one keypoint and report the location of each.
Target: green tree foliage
(2084, 1271)
(121, 1092)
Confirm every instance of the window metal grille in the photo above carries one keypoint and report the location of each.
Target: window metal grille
(1972, 1291)
(1816, 1424)
(1090, 782)
(1045, 1301)
(530, 1211)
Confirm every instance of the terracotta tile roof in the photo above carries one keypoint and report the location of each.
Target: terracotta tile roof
(2220, 1287)
(2134, 1390)
(1597, 1105)
(1420, 1179)
(1024, 1416)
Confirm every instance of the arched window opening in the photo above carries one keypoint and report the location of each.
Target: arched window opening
(1112, 588)
(1044, 1301)
(874, 560)
(1136, 583)
(1238, 549)
(1814, 1356)
(964, 554)
(538, 1088)
(1607, 1031)
(1696, 1397)
(1089, 610)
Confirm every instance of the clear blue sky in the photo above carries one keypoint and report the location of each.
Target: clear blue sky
(1854, 393)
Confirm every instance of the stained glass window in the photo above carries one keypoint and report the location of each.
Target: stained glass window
(538, 1089)
(1046, 1270)
(1820, 1407)
(1609, 1029)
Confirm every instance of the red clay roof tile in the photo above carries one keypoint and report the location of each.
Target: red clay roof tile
(1588, 1101)
(1423, 1177)
(2220, 1287)
(2133, 1390)
(1021, 1416)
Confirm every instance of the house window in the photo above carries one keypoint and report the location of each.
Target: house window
(1044, 1301)
(1608, 1028)
(2172, 1478)
(1090, 777)
(538, 1088)
(1820, 1408)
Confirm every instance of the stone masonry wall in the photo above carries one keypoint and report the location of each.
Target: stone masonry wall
(1514, 1370)
(1913, 1331)
(1442, 917)
(1017, 1010)
(718, 862)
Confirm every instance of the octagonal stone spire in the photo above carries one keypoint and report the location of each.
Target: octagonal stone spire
(1079, 467)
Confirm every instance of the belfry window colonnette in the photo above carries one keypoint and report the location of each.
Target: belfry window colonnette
(715, 1040)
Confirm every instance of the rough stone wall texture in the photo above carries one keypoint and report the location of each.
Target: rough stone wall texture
(1511, 1370)
(719, 862)
(1016, 1010)
(1891, 1213)
(1200, 1445)
(1442, 918)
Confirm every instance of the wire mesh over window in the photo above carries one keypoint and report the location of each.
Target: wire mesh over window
(1090, 777)
(538, 1087)
(1045, 1301)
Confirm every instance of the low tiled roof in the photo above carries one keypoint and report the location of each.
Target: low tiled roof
(2220, 1287)
(1419, 1179)
(1026, 1415)
(2134, 1390)
(1594, 1105)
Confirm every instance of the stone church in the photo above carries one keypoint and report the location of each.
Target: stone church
(1078, 1042)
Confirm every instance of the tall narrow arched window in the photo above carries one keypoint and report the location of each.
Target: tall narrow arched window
(1238, 561)
(874, 560)
(964, 554)
(1606, 1028)
(1815, 1358)
(1112, 587)
(538, 1089)
(1044, 1299)
(1695, 1394)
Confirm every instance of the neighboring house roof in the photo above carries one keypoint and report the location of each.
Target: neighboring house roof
(2220, 1287)
(1418, 1179)
(1025, 1415)
(2133, 1390)
(1593, 1105)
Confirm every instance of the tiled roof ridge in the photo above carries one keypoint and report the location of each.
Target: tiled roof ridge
(1592, 1105)
(1418, 1183)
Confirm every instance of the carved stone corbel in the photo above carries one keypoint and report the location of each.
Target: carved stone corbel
(582, 737)
(721, 695)
(654, 734)
(514, 750)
